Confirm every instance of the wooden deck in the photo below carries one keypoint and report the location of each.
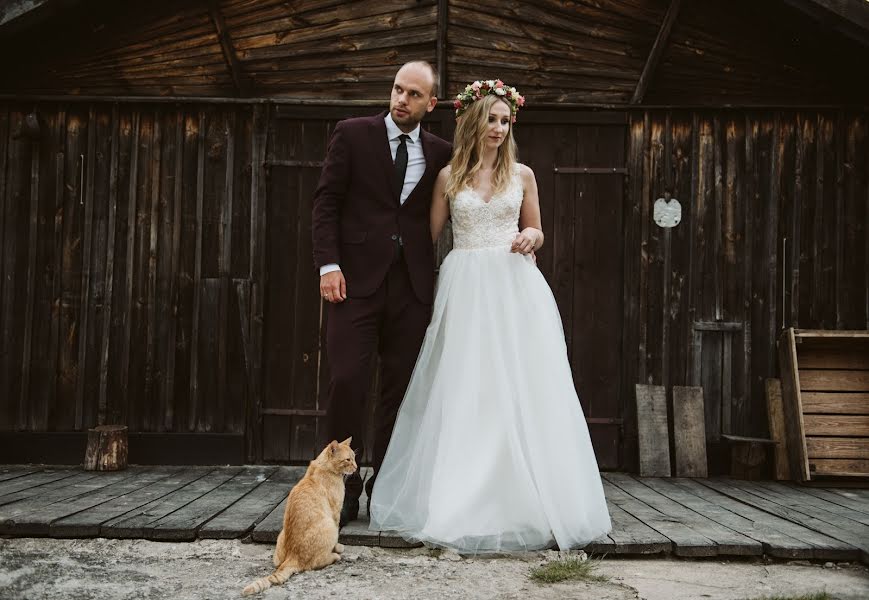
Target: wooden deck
(685, 517)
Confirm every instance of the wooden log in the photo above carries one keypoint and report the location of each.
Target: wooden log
(775, 412)
(689, 431)
(652, 431)
(749, 457)
(106, 448)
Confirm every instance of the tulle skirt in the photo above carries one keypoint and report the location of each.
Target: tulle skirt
(490, 451)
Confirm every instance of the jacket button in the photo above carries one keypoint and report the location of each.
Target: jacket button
(394, 236)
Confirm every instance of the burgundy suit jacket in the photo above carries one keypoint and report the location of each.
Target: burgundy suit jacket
(357, 217)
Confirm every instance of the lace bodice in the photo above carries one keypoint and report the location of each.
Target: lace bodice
(480, 224)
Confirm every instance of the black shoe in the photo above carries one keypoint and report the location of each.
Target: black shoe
(349, 512)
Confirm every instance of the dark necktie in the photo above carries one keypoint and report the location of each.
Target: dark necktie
(400, 164)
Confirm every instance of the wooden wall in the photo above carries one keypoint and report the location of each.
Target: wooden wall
(128, 241)
(774, 234)
(576, 52)
(155, 261)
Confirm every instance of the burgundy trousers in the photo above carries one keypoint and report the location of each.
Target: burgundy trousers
(392, 323)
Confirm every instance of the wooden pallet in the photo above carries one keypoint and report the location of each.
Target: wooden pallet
(825, 389)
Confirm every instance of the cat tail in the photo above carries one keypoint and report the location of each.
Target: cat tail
(277, 578)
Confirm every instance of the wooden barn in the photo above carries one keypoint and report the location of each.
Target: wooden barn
(157, 165)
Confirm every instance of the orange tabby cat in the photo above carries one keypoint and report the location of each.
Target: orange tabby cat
(309, 538)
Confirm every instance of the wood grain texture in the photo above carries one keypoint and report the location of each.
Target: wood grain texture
(689, 432)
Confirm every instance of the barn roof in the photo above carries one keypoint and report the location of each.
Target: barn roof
(578, 52)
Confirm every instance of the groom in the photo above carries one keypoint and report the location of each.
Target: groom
(373, 248)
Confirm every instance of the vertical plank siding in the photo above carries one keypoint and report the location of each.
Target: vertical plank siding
(166, 282)
(98, 237)
(773, 234)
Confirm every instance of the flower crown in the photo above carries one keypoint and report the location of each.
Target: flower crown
(479, 89)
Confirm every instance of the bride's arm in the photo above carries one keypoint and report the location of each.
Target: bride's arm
(530, 230)
(440, 206)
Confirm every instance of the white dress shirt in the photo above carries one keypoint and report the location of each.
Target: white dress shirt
(415, 166)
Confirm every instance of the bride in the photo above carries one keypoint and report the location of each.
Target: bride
(490, 451)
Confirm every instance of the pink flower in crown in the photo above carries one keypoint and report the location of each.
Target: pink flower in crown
(499, 83)
(457, 103)
(475, 86)
(520, 100)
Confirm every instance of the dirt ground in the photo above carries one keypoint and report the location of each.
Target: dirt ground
(33, 569)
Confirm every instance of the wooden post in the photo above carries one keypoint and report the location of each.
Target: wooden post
(106, 449)
(689, 431)
(652, 425)
(775, 411)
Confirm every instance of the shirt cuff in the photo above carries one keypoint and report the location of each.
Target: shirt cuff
(329, 268)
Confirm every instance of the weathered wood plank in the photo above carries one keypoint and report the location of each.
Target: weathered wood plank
(30, 483)
(193, 413)
(40, 522)
(123, 408)
(776, 417)
(87, 247)
(841, 425)
(750, 522)
(15, 471)
(793, 411)
(167, 397)
(136, 524)
(631, 291)
(151, 420)
(357, 533)
(268, 529)
(841, 516)
(632, 536)
(833, 380)
(686, 541)
(837, 447)
(724, 539)
(243, 515)
(652, 431)
(184, 523)
(26, 416)
(855, 403)
(808, 513)
(23, 518)
(689, 431)
(158, 483)
(840, 467)
(850, 501)
(833, 358)
(798, 526)
(102, 402)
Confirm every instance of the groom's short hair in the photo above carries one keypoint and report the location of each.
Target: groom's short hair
(432, 68)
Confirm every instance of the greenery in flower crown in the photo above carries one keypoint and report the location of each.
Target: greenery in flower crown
(477, 90)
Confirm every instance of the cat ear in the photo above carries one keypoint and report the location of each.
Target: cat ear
(333, 446)
(347, 441)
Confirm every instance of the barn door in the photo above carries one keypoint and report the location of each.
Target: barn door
(291, 419)
(579, 162)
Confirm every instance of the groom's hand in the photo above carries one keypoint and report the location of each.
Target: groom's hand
(333, 288)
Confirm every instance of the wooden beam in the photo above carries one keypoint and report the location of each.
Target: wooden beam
(848, 17)
(443, 24)
(239, 78)
(656, 52)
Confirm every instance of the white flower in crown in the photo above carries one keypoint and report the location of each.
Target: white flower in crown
(479, 89)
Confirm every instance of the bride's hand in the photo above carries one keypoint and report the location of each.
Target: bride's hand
(525, 241)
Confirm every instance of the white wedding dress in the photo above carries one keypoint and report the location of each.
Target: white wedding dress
(490, 451)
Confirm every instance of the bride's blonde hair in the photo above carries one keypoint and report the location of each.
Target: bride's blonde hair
(468, 143)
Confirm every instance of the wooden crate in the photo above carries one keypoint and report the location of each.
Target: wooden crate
(825, 393)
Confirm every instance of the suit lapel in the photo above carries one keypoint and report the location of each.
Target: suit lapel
(380, 145)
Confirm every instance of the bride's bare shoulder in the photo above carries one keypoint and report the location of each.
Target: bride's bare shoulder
(445, 173)
(525, 172)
